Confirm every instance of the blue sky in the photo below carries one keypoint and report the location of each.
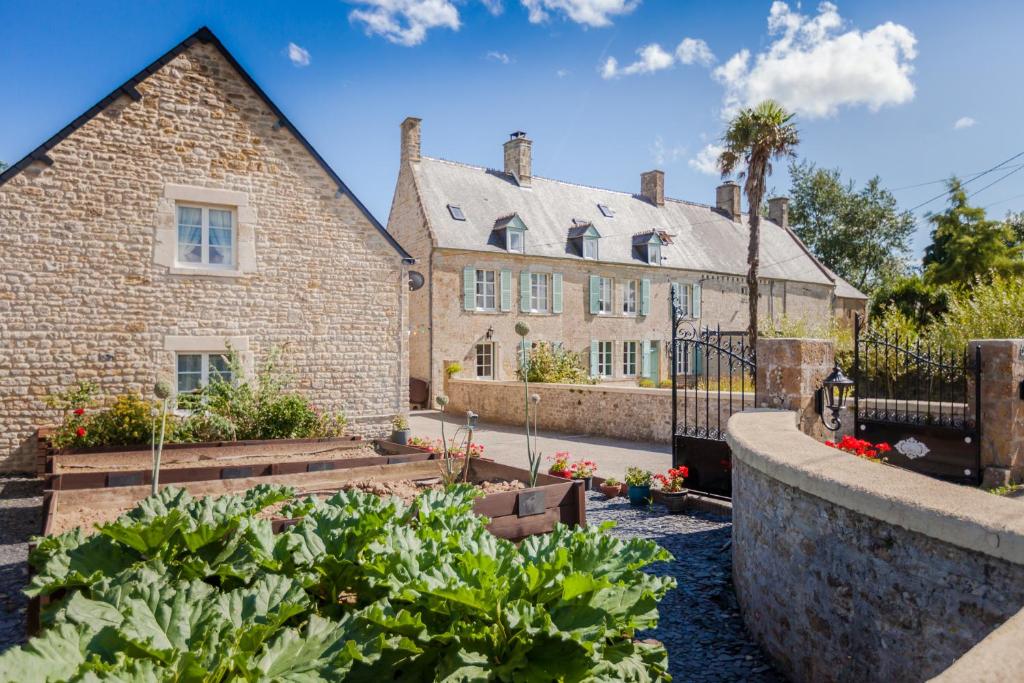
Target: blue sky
(878, 86)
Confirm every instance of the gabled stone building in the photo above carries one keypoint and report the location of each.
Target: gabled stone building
(182, 213)
(589, 269)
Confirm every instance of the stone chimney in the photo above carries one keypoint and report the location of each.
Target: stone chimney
(411, 139)
(519, 158)
(727, 199)
(652, 187)
(778, 211)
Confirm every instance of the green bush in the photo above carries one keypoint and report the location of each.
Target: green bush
(551, 364)
(128, 421)
(362, 588)
(645, 383)
(665, 384)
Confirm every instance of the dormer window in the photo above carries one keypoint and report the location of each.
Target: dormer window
(647, 247)
(583, 237)
(510, 232)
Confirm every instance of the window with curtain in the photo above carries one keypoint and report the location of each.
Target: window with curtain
(206, 237)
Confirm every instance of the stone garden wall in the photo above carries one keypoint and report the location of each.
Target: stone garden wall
(849, 571)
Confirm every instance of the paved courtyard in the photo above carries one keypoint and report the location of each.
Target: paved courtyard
(507, 444)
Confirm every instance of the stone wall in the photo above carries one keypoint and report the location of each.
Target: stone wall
(82, 295)
(850, 571)
(1002, 407)
(614, 411)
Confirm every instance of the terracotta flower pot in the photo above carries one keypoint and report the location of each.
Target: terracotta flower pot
(611, 491)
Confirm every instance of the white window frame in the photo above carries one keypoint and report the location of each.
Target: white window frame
(606, 297)
(510, 234)
(685, 299)
(590, 244)
(630, 297)
(540, 293)
(480, 294)
(683, 359)
(484, 357)
(630, 356)
(204, 368)
(605, 356)
(204, 212)
(654, 254)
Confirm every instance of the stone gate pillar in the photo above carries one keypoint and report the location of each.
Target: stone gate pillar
(1002, 410)
(789, 372)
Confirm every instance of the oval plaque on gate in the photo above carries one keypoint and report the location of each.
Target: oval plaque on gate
(912, 448)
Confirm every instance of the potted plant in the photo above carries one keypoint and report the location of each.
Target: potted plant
(639, 481)
(560, 466)
(671, 492)
(584, 470)
(611, 487)
(400, 431)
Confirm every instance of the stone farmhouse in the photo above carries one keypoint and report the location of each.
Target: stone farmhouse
(589, 269)
(183, 213)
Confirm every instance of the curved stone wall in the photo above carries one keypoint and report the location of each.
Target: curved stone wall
(852, 571)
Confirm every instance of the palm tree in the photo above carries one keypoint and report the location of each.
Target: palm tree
(755, 137)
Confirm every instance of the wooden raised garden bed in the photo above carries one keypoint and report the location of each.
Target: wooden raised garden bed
(180, 463)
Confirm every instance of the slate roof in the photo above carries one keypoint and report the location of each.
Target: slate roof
(703, 239)
(202, 35)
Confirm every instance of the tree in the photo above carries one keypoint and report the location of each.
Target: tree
(1016, 223)
(966, 245)
(755, 137)
(914, 298)
(860, 234)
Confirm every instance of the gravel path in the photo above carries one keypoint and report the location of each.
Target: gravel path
(700, 620)
(20, 504)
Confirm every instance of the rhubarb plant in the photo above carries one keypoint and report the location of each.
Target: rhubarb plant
(361, 588)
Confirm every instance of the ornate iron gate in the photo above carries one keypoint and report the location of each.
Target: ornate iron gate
(924, 402)
(712, 377)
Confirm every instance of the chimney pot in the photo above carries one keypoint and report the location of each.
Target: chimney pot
(778, 211)
(727, 199)
(519, 158)
(652, 187)
(411, 139)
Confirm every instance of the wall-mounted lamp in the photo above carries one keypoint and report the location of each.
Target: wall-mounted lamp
(490, 332)
(832, 396)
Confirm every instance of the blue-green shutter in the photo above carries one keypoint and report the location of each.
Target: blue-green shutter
(655, 362)
(469, 288)
(595, 294)
(506, 290)
(695, 306)
(524, 291)
(645, 297)
(698, 361)
(593, 358)
(556, 292)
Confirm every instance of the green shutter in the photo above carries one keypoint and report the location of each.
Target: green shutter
(524, 291)
(698, 361)
(506, 290)
(695, 307)
(593, 358)
(469, 288)
(655, 361)
(556, 292)
(645, 297)
(595, 294)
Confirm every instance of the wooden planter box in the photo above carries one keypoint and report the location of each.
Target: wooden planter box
(219, 461)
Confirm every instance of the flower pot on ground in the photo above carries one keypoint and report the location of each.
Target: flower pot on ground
(560, 466)
(400, 431)
(584, 470)
(639, 481)
(611, 487)
(671, 492)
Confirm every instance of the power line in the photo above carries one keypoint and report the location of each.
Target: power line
(997, 180)
(1003, 201)
(966, 176)
(983, 173)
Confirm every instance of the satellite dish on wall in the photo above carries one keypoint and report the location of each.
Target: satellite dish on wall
(415, 280)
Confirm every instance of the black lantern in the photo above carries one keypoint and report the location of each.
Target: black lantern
(832, 396)
(471, 419)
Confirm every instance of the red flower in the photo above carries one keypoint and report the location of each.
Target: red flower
(79, 411)
(80, 431)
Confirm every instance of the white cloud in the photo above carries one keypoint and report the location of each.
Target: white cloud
(587, 12)
(562, 73)
(694, 51)
(298, 55)
(706, 160)
(652, 58)
(405, 22)
(665, 155)
(963, 122)
(495, 7)
(499, 57)
(814, 70)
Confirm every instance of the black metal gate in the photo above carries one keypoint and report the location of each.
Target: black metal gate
(712, 377)
(923, 401)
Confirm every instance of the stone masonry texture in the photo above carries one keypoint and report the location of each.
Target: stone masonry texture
(81, 297)
(1002, 406)
(834, 595)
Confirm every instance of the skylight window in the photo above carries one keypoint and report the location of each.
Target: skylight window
(605, 211)
(456, 212)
